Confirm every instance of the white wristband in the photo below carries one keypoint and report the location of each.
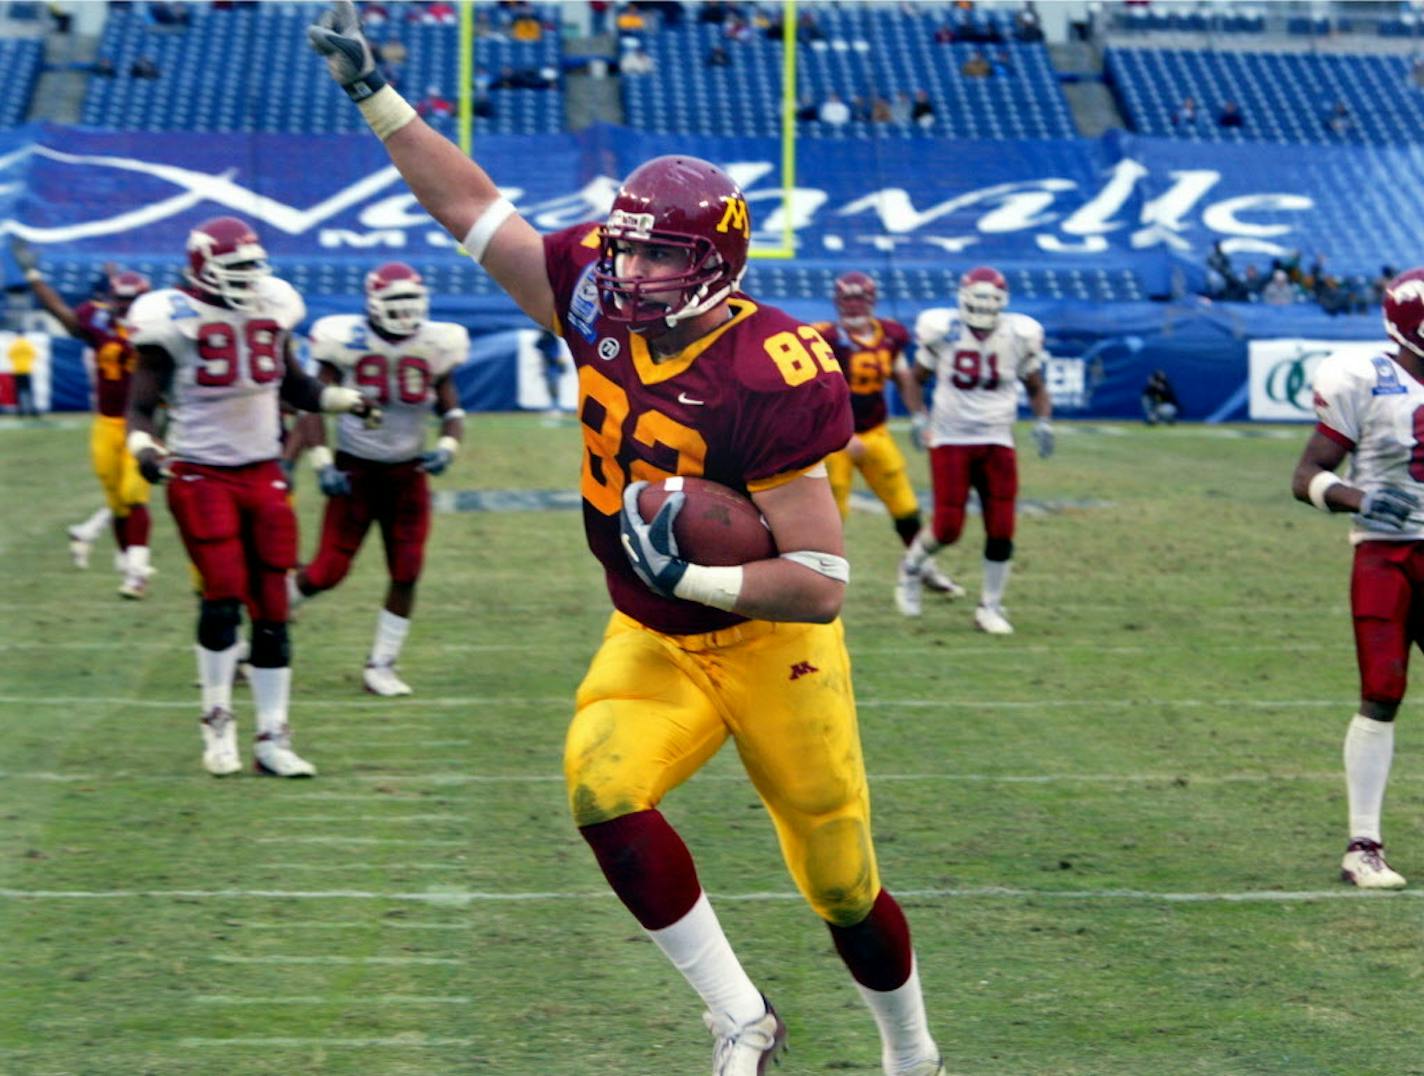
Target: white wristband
(718, 587)
(827, 564)
(477, 239)
(452, 414)
(336, 399)
(140, 441)
(33, 275)
(321, 458)
(1318, 487)
(447, 444)
(386, 112)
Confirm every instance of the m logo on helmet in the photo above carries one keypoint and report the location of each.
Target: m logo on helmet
(735, 217)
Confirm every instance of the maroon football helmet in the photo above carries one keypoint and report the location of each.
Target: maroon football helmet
(228, 261)
(683, 203)
(855, 295)
(125, 286)
(983, 294)
(397, 301)
(1403, 309)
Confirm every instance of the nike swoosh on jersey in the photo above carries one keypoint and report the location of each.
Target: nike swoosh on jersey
(684, 398)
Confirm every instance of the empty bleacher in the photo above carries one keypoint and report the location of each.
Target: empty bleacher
(1284, 96)
(250, 69)
(868, 51)
(20, 59)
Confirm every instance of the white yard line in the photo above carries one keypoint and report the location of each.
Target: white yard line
(404, 842)
(333, 867)
(358, 961)
(334, 999)
(355, 924)
(379, 817)
(460, 897)
(414, 1042)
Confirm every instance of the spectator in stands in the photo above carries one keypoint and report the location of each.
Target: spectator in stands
(1000, 64)
(103, 67)
(526, 25)
(1338, 120)
(1280, 291)
(977, 66)
(1230, 115)
(374, 15)
(944, 35)
(717, 56)
(668, 11)
(598, 16)
(439, 13)
(434, 104)
(480, 81)
(631, 20)
(738, 29)
(922, 112)
(713, 12)
(62, 16)
(22, 355)
(808, 28)
(1380, 283)
(1159, 400)
(1187, 114)
(144, 67)
(900, 109)
(1026, 25)
(834, 112)
(636, 61)
(1416, 71)
(880, 111)
(806, 110)
(392, 53)
(1253, 282)
(859, 110)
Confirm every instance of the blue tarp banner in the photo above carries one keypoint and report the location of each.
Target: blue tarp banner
(1116, 202)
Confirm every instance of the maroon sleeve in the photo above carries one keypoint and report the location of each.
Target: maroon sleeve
(783, 428)
(84, 314)
(566, 255)
(897, 336)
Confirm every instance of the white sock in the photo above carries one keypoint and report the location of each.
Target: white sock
(1369, 748)
(697, 947)
(996, 578)
(390, 637)
(921, 549)
(900, 1016)
(91, 528)
(215, 670)
(137, 559)
(270, 690)
(295, 597)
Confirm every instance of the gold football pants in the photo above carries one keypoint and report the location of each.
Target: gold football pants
(117, 470)
(883, 465)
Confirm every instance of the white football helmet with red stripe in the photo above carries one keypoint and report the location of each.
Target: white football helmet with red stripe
(397, 300)
(983, 294)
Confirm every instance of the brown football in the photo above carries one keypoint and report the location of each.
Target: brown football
(717, 525)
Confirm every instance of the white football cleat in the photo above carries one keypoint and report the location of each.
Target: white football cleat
(1364, 866)
(932, 1067)
(907, 590)
(745, 1049)
(272, 756)
(992, 620)
(382, 680)
(134, 586)
(937, 581)
(78, 548)
(220, 757)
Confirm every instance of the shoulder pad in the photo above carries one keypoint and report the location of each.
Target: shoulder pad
(282, 302)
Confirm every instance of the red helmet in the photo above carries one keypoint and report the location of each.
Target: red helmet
(855, 296)
(227, 260)
(983, 294)
(125, 286)
(397, 301)
(1403, 309)
(684, 203)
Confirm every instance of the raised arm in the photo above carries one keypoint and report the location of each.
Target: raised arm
(452, 188)
(50, 299)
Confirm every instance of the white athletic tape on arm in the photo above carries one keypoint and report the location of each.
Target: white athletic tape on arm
(447, 444)
(452, 414)
(482, 231)
(827, 564)
(337, 399)
(1318, 487)
(386, 112)
(718, 587)
(140, 441)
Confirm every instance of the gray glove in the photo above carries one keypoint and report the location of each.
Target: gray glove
(919, 429)
(1043, 437)
(435, 461)
(333, 481)
(1386, 509)
(336, 36)
(24, 254)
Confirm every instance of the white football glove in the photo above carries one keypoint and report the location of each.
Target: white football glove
(336, 36)
(1386, 509)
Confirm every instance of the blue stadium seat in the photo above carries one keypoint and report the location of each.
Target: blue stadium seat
(21, 60)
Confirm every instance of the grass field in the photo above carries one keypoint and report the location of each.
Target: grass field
(1116, 833)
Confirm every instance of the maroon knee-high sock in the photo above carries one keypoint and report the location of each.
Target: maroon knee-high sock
(647, 865)
(877, 949)
(138, 525)
(121, 531)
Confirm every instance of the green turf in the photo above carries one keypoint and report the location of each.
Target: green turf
(1061, 810)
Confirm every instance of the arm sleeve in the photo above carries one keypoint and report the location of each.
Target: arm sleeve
(151, 323)
(787, 432)
(1031, 353)
(1337, 401)
(929, 330)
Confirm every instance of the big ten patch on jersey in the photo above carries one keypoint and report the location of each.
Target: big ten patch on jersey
(1387, 381)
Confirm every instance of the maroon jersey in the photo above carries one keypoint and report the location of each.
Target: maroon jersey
(868, 361)
(114, 357)
(759, 398)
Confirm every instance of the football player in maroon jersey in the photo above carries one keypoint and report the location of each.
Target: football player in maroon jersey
(680, 373)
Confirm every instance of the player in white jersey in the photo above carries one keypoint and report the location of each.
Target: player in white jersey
(405, 362)
(219, 350)
(1372, 409)
(977, 355)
